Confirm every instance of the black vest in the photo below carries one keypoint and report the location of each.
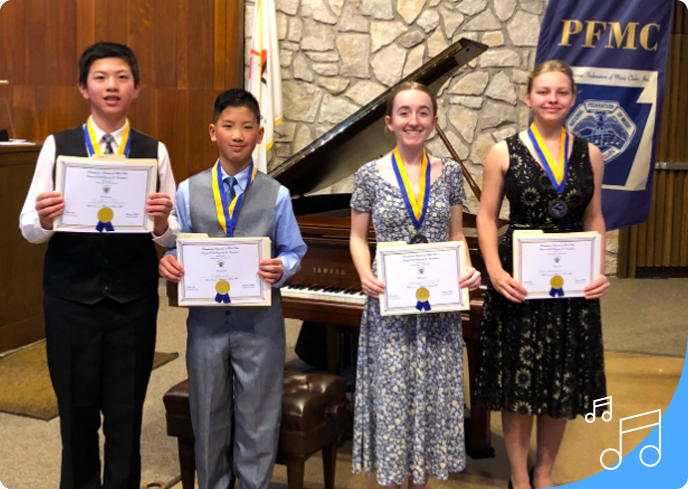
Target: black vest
(86, 267)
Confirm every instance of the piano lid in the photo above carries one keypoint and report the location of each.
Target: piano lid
(360, 138)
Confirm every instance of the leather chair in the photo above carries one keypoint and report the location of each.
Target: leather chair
(314, 410)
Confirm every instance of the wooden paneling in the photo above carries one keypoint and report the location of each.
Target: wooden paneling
(673, 136)
(188, 51)
(659, 247)
(21, 267)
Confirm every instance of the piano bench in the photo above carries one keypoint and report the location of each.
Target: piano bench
(314, 410)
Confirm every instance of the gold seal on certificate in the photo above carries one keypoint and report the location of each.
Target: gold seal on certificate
(105, 194)
(215, 266)
(105, 216)
(557, 284)
(421, 278)
(222, 288)
(556, 265)
(422, 295)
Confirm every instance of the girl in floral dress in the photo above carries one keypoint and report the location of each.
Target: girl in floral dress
(409, 380)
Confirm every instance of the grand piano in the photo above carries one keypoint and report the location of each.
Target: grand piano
(327, 289)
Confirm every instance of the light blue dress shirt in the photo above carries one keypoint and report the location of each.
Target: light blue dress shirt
(285, 235)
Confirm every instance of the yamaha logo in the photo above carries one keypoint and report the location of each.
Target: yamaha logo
(605, 124)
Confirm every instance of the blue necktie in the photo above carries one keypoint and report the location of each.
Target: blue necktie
(230, 181)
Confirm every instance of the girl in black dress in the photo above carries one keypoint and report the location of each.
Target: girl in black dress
(540, 358)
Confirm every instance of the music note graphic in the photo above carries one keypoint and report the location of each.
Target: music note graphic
(606, 416)
(619, 452)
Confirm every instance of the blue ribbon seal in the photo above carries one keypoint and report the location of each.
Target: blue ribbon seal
(220, 298)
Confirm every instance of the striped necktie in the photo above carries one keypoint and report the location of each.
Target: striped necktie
(230, 181)
(108, 139)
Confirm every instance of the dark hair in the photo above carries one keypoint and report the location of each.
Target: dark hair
(546, 67)
(410, 85)
(102, 50)
(236, 97)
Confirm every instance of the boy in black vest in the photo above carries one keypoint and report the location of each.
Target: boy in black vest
(101, 298)
(235, 356)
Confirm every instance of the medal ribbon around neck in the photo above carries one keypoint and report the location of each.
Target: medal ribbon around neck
(228, 212)
(416, 208)
(556, 172)
(93, 147)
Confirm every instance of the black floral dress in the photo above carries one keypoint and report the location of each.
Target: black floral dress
(542, 356)
(409, 378)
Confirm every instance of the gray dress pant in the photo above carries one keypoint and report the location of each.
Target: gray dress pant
(235, 360)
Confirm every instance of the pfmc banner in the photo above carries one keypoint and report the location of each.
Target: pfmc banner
(618, 52)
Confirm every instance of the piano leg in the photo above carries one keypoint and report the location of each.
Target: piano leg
(332, 348)
(478, 434)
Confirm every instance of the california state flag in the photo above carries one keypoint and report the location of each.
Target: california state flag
(264, 77)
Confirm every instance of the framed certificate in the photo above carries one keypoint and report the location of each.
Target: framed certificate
(223, 272)
(555, 265)
(421, 278)
(105, 194)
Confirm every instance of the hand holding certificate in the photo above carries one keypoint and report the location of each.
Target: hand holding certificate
(555, 265)
(222, 271)
(105, 194)
(421, 278)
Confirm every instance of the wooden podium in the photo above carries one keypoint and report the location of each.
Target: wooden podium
(21, 263)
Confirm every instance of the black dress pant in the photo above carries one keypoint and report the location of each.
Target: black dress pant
(100, 358)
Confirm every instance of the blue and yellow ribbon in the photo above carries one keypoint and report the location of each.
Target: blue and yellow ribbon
(222, 288)
(557, 283)
(423, 298)
(93, 147)
(228, 212)
(105, 216)
(416, 208)
(556, 172)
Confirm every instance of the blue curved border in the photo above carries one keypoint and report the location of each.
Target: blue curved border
(672, 470)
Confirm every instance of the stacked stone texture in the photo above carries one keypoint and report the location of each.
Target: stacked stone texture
(338, 55)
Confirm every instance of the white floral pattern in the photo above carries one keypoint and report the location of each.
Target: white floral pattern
(409, 379)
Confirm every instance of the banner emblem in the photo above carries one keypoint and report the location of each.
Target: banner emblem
(605, 124)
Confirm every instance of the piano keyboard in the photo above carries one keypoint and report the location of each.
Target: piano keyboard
(331, 294)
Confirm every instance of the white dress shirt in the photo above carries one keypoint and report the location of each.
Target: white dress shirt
(29, 222)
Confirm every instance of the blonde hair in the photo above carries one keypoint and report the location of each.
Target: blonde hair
(551, 65)
(410, 85)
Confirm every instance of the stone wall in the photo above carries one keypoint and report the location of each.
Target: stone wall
(337, 55)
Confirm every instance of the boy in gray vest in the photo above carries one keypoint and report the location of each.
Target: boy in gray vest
(235, 356)
(101, 296)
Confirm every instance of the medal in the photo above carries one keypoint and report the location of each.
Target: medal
(416, 208)
(422, 296)
(558, 208)
(222, 288)
(417, 239)
(557, 283)
(92, 146)
(228, 212)
(556, 172)
(105, 215)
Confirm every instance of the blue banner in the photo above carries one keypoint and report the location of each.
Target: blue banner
(618, 52)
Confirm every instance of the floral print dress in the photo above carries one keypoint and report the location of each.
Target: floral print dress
(409, 379)
(542, 356)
